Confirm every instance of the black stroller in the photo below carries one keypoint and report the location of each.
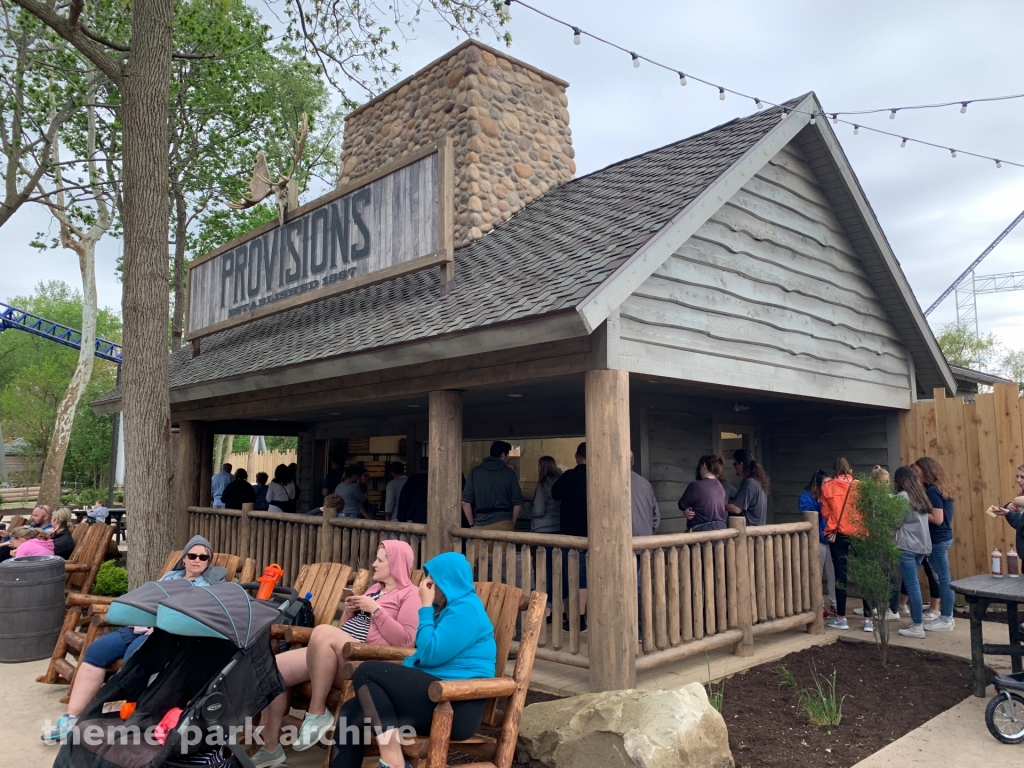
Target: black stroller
(1004, 714)
(209, 655)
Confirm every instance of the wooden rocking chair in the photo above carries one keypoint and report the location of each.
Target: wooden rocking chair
(503, 604)
(87, 557)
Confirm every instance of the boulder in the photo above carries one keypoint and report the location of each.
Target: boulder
(626, 729)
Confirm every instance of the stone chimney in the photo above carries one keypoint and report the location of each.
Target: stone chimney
(508, 122)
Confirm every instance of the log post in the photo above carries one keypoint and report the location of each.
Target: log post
(187, 475)
(205, 438)
(444, 470)
(243, 531)
(816, 627)
(611, 581)
(744, 647)
(327, 535)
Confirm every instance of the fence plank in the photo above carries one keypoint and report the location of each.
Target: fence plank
(660, 600)
(787, 572)
(769, 577)
(673, 595)
(697, 587)
(646, 603)
(556, 598)
(1010, 445)
(721, 607)
(686, 592)
(732, 576)
(760, 580)
(574, 601)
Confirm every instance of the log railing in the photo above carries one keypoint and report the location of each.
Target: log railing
(785, 575)
(547, 563)
(294, 540)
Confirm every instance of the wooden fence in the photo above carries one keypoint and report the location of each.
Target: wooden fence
(23, 495)
(980, 445)
(696, 591)
(293, 540)
(260, 462)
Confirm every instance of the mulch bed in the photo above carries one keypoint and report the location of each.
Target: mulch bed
(768, 728)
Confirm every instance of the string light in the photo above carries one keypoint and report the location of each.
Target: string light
(952, 153)
(506, 10)
(812, 119)
(903, 143)
(759, 104)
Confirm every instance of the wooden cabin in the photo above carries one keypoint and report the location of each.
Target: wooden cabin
(732, 289)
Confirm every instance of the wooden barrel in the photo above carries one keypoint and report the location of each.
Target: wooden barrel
(31, 607)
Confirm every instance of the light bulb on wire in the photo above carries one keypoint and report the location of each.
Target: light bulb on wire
(892, 115)
(636, 60)
(835, 119)
(856, 130)
(682, 79)
(721, 94)
(963, 108)
(506, 10)
(999, 163)
(952, 153)
(758, 104)
(903, 144)
(785, 114)
(812, 119)
(576, 36)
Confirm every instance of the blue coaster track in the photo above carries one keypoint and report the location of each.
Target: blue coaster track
(11, 317)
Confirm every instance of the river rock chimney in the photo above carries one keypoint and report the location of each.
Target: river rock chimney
(509, 123)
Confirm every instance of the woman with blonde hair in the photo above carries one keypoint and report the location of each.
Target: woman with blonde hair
(546, 511)
(63, 542)
(940, 525)
(27, 541)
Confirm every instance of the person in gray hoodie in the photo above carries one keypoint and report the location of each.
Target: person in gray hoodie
(196, 565)
(492, 497)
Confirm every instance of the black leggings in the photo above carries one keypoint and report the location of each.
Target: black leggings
(389, 696)
(840, 550)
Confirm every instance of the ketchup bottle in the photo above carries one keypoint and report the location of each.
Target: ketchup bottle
(268, 581)
(997, 563)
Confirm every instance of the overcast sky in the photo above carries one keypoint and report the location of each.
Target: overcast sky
(939, 213)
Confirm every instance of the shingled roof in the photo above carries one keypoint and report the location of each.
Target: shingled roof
(545, 259)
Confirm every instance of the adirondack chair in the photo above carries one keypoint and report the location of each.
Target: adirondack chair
(503, 604)
(85, 618)
(327, 582)
(16, 522)
(86, 559)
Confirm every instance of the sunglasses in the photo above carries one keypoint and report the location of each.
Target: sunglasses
(194, 556)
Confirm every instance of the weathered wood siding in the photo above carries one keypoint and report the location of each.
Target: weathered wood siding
(675, 443)
(769, 295)
(804, 441)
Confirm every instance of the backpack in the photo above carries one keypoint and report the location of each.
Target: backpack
(299, 613)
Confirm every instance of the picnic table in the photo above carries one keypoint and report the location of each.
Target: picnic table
(116, 518)
(980, 592)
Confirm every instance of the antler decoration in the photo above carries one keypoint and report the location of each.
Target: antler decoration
(261, 186)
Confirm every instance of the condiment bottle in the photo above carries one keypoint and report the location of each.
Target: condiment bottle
(997, 563)
(1012, 564)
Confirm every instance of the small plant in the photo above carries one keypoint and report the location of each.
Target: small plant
(821, 705)
(786, 679)
(111, 580)
(716, 691)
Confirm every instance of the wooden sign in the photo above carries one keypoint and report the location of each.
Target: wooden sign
(396, 221)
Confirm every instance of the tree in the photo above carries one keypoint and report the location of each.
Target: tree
(342, 38)
(874, 559)
(963, 347)
(83, 219)
(1013, 365)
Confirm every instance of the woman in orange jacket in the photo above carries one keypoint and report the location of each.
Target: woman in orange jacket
(842, 522)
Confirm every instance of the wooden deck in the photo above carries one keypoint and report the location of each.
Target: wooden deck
(563, 680)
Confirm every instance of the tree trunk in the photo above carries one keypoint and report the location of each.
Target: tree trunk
(180, 233)
(53, 466)
(145, 388)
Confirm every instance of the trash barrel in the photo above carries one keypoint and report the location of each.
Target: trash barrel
(31, 607)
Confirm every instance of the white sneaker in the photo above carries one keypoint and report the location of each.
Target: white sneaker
(914, 630)
(313, 729)
(904, 610)
(940, 624)
(890, 616)
(859, 611)
(869, 625)
(266, 758)
(837, 622)
(930, 615)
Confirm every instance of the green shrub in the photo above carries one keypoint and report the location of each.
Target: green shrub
(820, 705)
(89, 496)
(111, 580)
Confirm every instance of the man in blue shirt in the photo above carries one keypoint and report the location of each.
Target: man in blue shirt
(219, 482)
(41, 518)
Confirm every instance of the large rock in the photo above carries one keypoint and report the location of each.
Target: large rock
(626, 729)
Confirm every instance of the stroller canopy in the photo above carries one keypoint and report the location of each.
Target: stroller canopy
(138, 607)
(224, 611)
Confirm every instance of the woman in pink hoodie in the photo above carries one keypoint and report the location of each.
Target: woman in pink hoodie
(386, 614)
(26, 542)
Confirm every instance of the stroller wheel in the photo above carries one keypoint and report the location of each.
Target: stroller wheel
(1005, 717)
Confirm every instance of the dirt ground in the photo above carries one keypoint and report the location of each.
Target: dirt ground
(769, 729)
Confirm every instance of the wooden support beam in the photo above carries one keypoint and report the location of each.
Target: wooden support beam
(444, 472)
(745, 621)
(611, 579)
(816, 627)
(187, 474)
(205, 467)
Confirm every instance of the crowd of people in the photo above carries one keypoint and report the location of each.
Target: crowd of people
(46, 533)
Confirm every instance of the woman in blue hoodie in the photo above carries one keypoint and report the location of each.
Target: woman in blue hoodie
(454, 641)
